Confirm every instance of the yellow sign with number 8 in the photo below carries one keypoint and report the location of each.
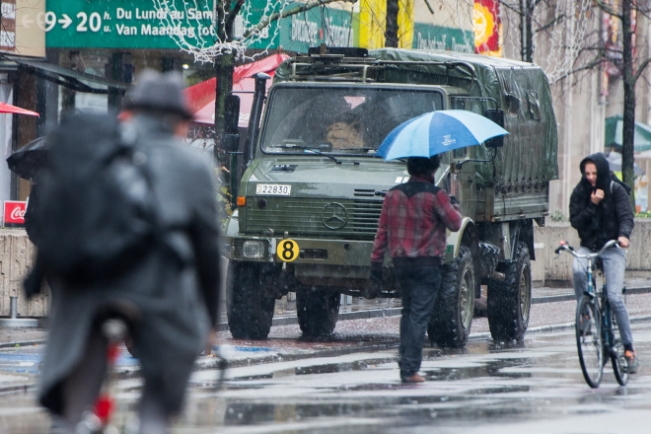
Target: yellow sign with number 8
(287, 250)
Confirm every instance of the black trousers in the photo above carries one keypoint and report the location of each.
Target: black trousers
(420, 285)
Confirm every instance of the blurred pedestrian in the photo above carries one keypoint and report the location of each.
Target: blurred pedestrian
(412, 228)
(170, 292)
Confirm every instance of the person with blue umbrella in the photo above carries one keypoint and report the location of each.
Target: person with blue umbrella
(415, 216)
(411, 230)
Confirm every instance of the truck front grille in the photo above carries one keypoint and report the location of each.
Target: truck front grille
(345, 219)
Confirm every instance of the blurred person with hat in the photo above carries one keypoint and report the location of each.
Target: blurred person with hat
(170, 292)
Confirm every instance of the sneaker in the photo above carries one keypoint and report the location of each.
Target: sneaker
(415, 378)
(632, 361)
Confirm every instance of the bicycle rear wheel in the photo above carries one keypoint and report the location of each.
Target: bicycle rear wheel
(620, 365)
(588, 340)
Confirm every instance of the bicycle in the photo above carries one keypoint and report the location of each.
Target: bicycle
(596, 329)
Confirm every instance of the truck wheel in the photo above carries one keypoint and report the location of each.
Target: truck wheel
(509, 302)
(317, 312)
(450, 323)
(249, 311)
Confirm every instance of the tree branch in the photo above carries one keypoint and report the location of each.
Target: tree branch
(641, 69)
(230, 19)
(552, 23)
(280, 15)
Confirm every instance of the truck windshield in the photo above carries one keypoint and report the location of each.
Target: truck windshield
(339, 120)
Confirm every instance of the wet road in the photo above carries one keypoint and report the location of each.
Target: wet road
(536, 387)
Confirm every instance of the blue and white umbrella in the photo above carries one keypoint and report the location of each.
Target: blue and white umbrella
(437, 132)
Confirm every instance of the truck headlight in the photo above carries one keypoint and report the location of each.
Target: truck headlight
(253, 249)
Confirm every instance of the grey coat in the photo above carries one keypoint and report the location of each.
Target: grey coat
(176, 290)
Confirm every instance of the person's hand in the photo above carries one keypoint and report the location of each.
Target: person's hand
(597, 196)
(623, 242)
(454, 200)
(375, 285)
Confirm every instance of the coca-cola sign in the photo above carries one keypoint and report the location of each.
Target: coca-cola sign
(15, 212)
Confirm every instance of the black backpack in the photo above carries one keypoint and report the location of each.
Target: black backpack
(97, 213)
(614, 179)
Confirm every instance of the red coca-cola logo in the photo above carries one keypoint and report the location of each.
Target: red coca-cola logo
(15, 212)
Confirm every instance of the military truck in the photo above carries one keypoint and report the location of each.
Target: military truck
(309, 200)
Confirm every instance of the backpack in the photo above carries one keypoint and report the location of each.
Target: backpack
(614, 179)
(96, 213)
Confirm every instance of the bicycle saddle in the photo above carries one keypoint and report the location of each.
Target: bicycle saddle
(118, 309)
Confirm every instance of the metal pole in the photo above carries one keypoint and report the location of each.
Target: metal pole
(256, 113)
(13, 307)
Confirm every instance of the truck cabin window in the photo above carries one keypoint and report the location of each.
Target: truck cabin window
(339, 120)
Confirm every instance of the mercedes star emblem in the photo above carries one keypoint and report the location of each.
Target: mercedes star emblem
(334, 216)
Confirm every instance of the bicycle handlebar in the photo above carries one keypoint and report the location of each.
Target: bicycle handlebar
(570, 249)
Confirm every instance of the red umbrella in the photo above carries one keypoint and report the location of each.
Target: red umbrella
(8, 108)
(201, 97)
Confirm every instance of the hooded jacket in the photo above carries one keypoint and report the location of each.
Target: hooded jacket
(612, 218)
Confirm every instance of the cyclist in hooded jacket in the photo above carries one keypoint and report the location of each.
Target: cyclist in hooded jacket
(600, 211)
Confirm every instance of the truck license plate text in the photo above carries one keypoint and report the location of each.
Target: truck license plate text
(273, 189)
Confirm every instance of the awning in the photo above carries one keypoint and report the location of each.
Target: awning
(613, 136)
(69, 78)
(201, 96)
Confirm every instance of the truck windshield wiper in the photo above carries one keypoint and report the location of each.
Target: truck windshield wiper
(305, 148)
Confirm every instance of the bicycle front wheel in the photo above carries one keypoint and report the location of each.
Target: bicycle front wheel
(588, 340)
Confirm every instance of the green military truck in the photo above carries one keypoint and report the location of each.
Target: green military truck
(310, 198)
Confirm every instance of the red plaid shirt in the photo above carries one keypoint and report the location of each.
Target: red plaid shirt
(413, 221)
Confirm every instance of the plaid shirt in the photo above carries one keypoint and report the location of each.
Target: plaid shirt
(413, 221)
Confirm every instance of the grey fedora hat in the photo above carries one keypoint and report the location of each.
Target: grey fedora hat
(159, 92)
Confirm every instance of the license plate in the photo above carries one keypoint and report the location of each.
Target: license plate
(273, 189)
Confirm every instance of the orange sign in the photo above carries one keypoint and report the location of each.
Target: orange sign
(487, 26)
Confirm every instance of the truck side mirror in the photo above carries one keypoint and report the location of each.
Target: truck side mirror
(232, 113)
(231, 142)
(497, 116)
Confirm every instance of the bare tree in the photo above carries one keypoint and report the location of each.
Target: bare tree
(573, 33)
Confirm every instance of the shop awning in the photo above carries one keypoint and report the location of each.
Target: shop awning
(201, 96)
(613, 136)
(69, 78)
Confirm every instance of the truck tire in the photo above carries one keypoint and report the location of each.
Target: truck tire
(451, 319)
(509, 302)
(248, 309)
(317, 312)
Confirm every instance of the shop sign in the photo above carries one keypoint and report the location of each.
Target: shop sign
(430, 37)
(317, 26)
(487, 26)
(14, 212)
(126, 23)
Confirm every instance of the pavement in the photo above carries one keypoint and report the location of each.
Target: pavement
(21, 348)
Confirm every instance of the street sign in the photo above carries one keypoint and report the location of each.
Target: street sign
(126, 23)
